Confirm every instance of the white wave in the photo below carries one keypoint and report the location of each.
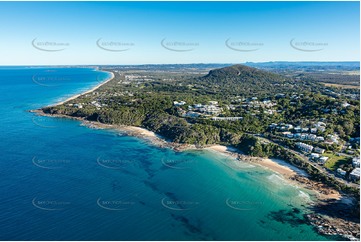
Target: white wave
(304, 196)
(242, 164)
(274, 178)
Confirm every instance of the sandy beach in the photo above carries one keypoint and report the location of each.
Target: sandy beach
(88, 91)
(294, 175)
(271, 164)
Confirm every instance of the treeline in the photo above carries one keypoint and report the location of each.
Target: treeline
(173, 128)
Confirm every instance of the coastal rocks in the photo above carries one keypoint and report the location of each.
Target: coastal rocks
(247, 158)
(347, 230)
(337, 217)
(91, 125)
(179, 147)
(317, 186)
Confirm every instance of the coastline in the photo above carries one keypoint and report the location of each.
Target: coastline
(293, 175)
(88, 91)
(268, 163)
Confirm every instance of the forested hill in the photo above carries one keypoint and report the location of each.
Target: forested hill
(242, 72)
(247, 80)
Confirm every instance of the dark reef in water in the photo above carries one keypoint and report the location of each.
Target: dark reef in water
(342, 219)
(291, 217)
(191, 229)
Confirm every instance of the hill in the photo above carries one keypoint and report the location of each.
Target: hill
(245, 80)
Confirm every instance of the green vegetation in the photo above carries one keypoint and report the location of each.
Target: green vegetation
(146, 99)
(336, 161)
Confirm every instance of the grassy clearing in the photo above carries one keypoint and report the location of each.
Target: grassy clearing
(335, 161)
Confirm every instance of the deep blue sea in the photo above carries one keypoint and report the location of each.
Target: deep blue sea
(61, 180)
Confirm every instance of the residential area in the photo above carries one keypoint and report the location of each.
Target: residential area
(317, 125)
(312, 138)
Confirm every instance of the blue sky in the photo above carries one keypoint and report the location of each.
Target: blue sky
(192, 32)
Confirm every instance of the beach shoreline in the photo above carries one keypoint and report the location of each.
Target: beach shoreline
(288, 171)
(294, 176)
(87, 91)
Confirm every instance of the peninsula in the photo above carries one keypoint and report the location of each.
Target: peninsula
(311, 126)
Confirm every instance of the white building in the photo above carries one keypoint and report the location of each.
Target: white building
(311, 137)
(226, 118)
(321, 124)
(320, 138)
(305, 130)
(297, 129)
(321, 128)
(213, 102)
(289, 135)
(355, 174)
(78, 105)
(341, 172)
(356, 162)
(304, 147)
(191, 114)
(332, 139)
(273, 125)
(314, 156)
(345, 104)
(181, 103)
(323, 159)
(319, 150)
(303, 136)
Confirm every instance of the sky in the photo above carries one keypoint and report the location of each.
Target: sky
(111, 33)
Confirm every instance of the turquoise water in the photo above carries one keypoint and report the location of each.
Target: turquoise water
(63, 181)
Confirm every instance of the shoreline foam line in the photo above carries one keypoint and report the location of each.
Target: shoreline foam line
(88, 91)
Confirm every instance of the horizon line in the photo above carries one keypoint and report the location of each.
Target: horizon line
(198, 63)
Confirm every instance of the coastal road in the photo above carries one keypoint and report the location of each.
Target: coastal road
(305, 158)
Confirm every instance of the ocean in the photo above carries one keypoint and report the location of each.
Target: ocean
(61, 180)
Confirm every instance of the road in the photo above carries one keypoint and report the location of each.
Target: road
(321, 169)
